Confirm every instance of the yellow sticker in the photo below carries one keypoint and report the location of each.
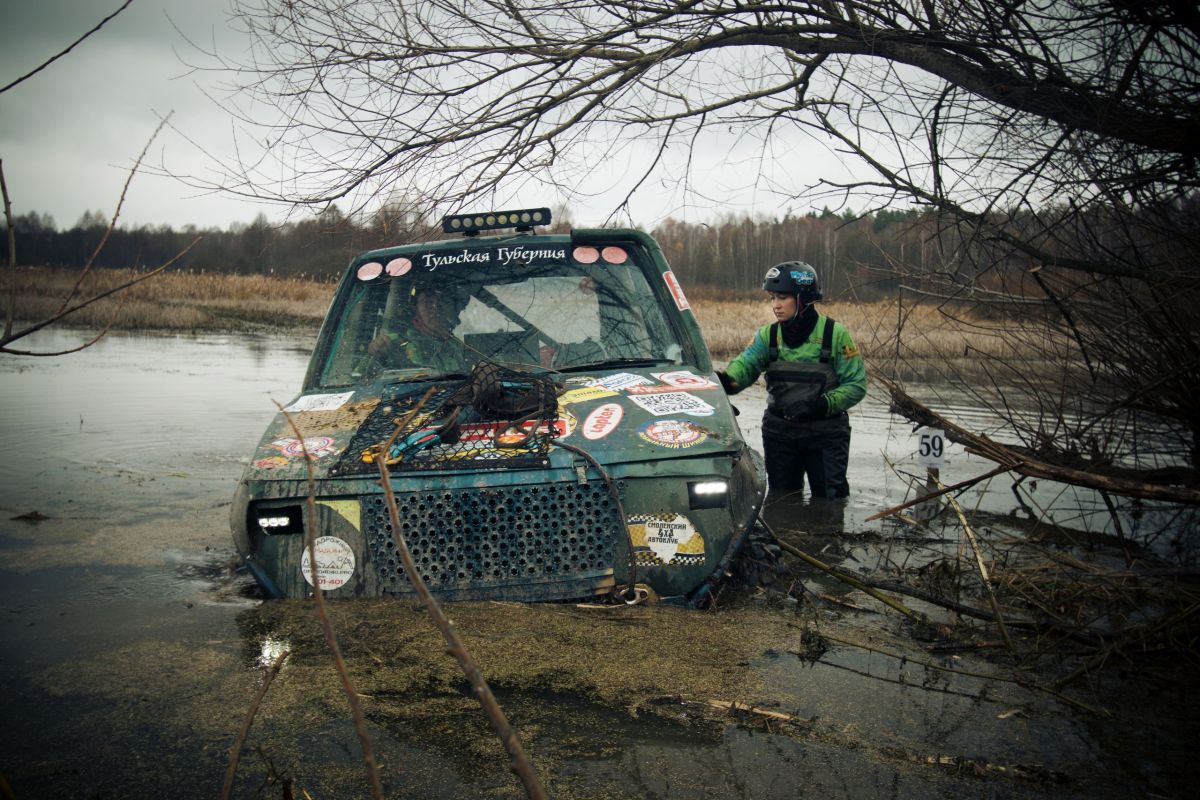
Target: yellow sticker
(668, 539)
(850, 351)
(348, 510)
(585, 394)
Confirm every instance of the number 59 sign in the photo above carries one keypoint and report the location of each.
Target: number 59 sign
(931, 447)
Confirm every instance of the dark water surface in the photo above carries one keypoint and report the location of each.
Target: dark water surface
(129, 651)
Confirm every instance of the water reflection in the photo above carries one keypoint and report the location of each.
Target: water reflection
(133, 448)
(791, 514)
(91, 430)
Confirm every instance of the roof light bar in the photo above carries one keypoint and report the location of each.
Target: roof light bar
(471, 224)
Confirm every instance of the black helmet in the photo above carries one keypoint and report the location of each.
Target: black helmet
(793, 277)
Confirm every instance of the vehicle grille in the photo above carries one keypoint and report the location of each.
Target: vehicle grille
(542, 542)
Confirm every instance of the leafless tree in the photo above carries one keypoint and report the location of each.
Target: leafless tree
(1054, 142)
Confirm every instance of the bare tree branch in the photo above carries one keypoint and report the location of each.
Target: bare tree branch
(62, 53)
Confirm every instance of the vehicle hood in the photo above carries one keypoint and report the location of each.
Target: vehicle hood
(617, 416)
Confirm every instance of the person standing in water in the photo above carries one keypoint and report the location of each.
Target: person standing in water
(814, 374)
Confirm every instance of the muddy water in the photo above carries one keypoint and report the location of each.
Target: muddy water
(129, 651)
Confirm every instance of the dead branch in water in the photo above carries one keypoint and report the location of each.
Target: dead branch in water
(1149, 485)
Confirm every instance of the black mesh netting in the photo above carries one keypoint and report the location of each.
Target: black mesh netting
(494, 419)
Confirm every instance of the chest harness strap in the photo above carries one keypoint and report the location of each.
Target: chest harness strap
(826, 342)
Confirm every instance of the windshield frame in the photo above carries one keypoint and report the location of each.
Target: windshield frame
(432, 261)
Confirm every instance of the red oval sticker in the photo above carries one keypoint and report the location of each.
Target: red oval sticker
(602, 421)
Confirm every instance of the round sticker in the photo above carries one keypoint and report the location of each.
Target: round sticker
(316, 446)
(335, 563)
(370, 271)
(673, 433)
(586, 255)
(398, 266)
(614, 255)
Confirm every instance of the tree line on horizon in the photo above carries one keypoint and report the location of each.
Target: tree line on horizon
(857, 255)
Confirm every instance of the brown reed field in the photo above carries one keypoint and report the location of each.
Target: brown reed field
(925, 331)
(214, 301)
(173, 300)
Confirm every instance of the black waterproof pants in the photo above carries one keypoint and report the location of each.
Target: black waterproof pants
(818, 450)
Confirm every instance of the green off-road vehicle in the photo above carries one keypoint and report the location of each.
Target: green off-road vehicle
(543, 408)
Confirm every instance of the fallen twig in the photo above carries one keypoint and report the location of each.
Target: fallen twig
(520, 763)
(310, 543)
(939, 492)
(857, 584)
(983, 572)
(236, 750)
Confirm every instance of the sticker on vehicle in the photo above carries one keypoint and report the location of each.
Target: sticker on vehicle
(665, 539)
(602, 421)
(676, 291)
(335, 563)
(665, 403)
(674, 433)
(621, 380)
(685, 380)
(316, 446)
(274, 462)
(319, 402)
(584, 394)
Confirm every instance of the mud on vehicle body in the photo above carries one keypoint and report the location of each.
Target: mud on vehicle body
(558, 434)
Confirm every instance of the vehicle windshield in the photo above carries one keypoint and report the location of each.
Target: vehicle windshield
(561, 307)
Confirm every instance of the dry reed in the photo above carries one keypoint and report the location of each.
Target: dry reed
(730, 321)
(182, 300)
(186, 300)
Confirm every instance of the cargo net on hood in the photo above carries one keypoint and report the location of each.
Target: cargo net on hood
(495, 419)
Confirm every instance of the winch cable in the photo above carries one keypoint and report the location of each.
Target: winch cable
(630, 589)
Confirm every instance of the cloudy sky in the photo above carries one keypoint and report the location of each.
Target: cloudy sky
(70, 133)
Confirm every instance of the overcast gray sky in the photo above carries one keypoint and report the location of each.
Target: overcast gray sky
(69, 134)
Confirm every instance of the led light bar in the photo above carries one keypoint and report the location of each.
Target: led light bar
(471, 224)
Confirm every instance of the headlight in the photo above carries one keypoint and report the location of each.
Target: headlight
(276, 521)
(708, 494)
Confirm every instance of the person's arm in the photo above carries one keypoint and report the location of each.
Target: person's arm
(851, 372)
(389, 349)
(745, 369)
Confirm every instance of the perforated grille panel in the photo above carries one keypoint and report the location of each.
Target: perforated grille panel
(543, 542)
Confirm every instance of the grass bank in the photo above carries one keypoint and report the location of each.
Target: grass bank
(176, 301)
(208, 301)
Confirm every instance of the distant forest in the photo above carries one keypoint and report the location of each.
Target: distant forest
(856, 255)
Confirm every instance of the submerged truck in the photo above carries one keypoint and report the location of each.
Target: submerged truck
(542, 407)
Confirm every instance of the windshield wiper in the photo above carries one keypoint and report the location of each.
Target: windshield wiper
(617, 362)
(424, 377)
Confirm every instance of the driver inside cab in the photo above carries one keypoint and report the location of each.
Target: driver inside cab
(427, 339)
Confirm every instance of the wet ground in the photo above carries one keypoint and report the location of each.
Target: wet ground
(130, 652)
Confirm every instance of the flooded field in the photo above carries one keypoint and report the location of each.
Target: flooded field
(130, 651)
